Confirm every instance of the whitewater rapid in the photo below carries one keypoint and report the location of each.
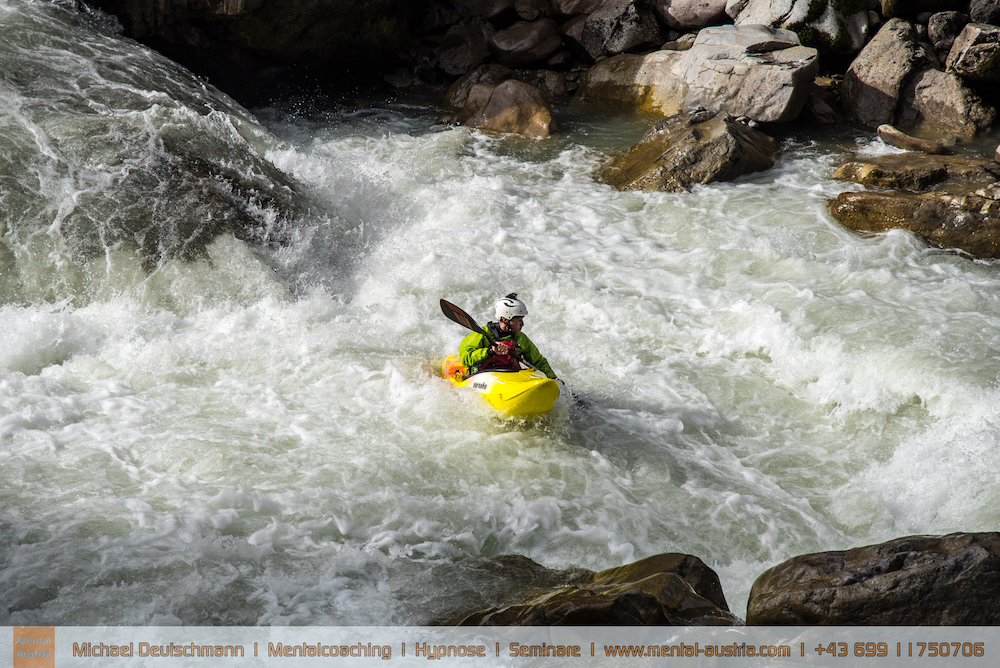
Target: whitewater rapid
(259, 434)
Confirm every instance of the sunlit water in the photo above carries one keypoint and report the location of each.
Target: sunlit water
(260, 436)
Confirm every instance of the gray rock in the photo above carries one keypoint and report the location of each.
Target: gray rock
(688, 149)
(750, 71)
(465, 46)
(985, 11)
(919, 580)
(619, 26)
(687, 15)
(526, 43)
(939, 102)
(875, 80)
(975, 53)
(822, 24)
(942, 29)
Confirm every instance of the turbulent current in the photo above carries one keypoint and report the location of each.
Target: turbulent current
(253, 430)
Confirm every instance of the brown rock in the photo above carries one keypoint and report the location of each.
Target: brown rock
(975, 53)
(458, 92)
(687, 149)
(913, 171)
(966, 222)
(936, 101)
(668, 589)
(919, 580)
(894, 137)
(511, 107)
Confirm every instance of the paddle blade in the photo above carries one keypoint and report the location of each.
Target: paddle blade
(456, 314)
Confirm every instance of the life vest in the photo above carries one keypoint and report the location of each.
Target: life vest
(500, 362)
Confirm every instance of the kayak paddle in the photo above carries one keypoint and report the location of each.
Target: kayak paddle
(456, 314)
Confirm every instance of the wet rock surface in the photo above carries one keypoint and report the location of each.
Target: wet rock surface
(687, 149)
(666, 589)
(919, 580)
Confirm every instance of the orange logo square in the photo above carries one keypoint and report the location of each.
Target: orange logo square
(34, 647)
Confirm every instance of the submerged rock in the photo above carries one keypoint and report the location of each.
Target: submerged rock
(949, 580)
(667, 589)
(899, 139)
(683, 150)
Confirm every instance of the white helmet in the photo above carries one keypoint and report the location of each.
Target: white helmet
(510, 307)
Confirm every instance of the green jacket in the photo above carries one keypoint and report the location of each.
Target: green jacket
(475, 348)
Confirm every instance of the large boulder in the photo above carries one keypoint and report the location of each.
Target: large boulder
(919, 580)
(687, 149)
(690, 15)
(618, 26)
(511, 107)
(876, 79)
(939, 102)
(830, 26)
(975, 53)
(667, 589)
(465, 46)
(755, 71)
(458, 92)
(653, 83)
(526, 42)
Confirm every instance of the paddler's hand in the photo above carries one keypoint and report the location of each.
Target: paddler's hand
(503, 348)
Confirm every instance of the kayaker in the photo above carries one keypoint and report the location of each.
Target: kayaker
(510, 343)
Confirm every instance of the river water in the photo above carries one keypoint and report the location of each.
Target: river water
(258, 434)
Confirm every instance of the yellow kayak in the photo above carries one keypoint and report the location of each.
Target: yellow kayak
(516, 393)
